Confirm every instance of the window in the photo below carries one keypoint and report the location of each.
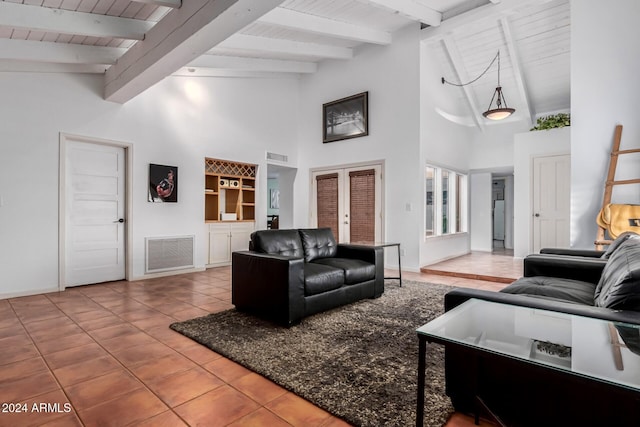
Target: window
(446, 202)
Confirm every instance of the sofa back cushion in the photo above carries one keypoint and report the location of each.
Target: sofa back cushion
(318, 243)
(277, 242)
(617, 242)
(619, 285)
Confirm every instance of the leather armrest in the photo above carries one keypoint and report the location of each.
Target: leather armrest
(567, 267)
(269, 284)
(572, 252)
(458, 296)
(373, 255)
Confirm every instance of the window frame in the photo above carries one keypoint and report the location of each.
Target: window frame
(451, 218)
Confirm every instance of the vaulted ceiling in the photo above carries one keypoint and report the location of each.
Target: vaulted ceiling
(135, 44)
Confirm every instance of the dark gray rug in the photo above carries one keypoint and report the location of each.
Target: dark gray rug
(358, 362)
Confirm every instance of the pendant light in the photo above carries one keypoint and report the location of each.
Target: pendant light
(501, 110)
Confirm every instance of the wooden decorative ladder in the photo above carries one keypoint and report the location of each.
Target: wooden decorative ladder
(611, 182)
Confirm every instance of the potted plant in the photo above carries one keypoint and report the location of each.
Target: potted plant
(559, 120)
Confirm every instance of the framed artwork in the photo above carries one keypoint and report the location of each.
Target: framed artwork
(274, 199)
(163, 183)
(346, 118)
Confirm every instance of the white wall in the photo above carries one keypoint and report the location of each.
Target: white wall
(177, 122)
(481, 220)
(605, 66)
(444, 144)
(391, 76)
(527, 146)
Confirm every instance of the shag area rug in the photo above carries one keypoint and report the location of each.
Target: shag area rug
(358, 362)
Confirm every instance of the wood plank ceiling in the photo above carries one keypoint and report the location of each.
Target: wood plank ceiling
(137, 43)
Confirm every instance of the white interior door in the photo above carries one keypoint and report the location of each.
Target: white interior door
(94, 213)
(551, 197)
(335, 205)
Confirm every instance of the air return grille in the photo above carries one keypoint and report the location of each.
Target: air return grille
(169, 253)
(279, 157)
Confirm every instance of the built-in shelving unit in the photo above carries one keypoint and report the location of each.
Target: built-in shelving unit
(230, 191)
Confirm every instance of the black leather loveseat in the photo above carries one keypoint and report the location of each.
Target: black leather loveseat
(290, 274)
(529, 395)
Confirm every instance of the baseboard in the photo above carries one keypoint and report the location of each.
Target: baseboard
(29, 293)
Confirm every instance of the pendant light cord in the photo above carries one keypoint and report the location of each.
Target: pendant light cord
(482, 74)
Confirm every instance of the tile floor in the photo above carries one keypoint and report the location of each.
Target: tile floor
(104, 355)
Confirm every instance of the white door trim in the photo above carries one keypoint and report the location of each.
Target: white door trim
(65, 139)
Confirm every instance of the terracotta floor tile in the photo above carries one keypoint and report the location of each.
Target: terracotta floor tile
(182, 386)
(83, 371)
(159, 320)
(16, 348)
(260, 418)
(102, 322)
(144, 353)
(189, 313)
(134, 407)
(39, 315)
(64, 343)
(27, 387)
(218, 407)
(55, 333)
(101, 389)
(74, 355)
(161, 367)
(49, 325)
(297, 411)
(112, 331)
(199, 353)
(258, 388)
(68, 420)
(140, 314)
(129, 340)
(226, 369)
(19, 370)
(165, 419)
(11, 321)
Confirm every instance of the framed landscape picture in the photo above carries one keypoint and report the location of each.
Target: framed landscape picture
(346, 118)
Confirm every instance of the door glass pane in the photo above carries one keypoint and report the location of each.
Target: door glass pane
(327, 202)
(430, 212)
(362, 205)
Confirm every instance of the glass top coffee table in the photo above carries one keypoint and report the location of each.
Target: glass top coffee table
(591, 348)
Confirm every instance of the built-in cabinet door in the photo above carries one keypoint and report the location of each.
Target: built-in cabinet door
(219, 244)
(225, 238)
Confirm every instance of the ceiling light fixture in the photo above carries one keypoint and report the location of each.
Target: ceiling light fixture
(501, 110)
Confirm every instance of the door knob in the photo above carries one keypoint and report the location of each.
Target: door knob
(121, 220)
(346, 222)
(536, 215)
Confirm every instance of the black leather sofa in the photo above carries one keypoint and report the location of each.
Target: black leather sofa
(525, 394)
(287, 275)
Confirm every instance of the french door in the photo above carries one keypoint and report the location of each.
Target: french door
(349, 201)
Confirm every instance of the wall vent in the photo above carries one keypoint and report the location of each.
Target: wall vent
(279, 157)
(169, 253)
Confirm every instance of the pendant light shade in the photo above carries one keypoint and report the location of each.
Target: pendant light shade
(501, 109)
(499, 112)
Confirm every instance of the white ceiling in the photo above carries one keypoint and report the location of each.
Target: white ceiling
(138, 43)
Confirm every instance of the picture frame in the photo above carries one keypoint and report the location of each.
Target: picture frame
(346, 118)
(274, 198)
(163, 184)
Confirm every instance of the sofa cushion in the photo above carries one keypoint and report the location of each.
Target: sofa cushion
(277, 242)
(318, 243)
(619, 285)
(355, 270)
(553, 287)
(320, 278)
(617, 242)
